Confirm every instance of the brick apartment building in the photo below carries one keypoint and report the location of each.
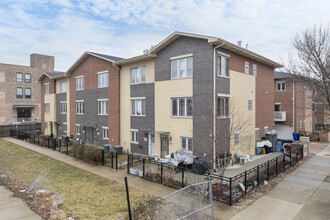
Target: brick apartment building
(19, 94)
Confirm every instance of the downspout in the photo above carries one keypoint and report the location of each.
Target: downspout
(214, 102)
(293, 107)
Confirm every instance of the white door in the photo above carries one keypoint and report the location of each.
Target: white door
(151, 144)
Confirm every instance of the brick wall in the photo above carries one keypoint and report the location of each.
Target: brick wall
(285, 98)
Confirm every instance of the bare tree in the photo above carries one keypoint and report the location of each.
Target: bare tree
(312, 65)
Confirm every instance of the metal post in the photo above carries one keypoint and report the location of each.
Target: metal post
(230, 191)
(35, 192)
(59, 145)
(48, 142)
(245, 182)
(211, 197)
(182, 177)
(128, 202)
(283, 162)
(102, 157)
(276, 166)
(67, 150)
(144, 162)
(161, 173)
(117, 161)
(268, 170)
(111, 155)
(258, 175)
(127, 163)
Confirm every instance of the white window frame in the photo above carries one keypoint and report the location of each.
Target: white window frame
(278, 103)
(140, 76)
(138, 103)
(80, 107)
(219, 66)
(105, 133)
(266, 129)
(27, 80)
(47, 108)
(177, 98)
(300, 124)
(186, 139)
(80, 83)
(250, 105)
(47, 89)
(255, 69)
(256, 131)
(182, 58)
(236, 137)
(102, 107)
(134, 136)
(21, 79)
(25, 93)
(78, 129)
(281, 89)
(227, 97)
(65, 127)
(65, 87)
(65, 108)
(247, 68)
(103, 79)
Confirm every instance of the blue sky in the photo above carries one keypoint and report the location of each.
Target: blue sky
(67, 28)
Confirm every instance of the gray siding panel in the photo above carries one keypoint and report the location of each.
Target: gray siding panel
(60, 118)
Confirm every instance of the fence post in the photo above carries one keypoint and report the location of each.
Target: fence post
(276, 166)
(211, 196)
(111, 155)
(103, 157)
(245, 182)
(161, 173)
(117, 161)
(258, 175)
(59, 145)
(48, 142)
(283, 162)
(144, 162)
(127, 163)
(67, 150)
(230, 191)
(268, 170)
(182, 185)
(128, 202)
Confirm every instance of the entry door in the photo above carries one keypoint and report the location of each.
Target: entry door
(88, 135)
(151, 144)
(51, 127)
(164, 145)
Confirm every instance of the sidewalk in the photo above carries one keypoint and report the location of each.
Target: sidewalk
(303, 194)
(14, 208)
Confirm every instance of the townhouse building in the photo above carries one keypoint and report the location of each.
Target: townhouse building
(195, 93)
(20, 98)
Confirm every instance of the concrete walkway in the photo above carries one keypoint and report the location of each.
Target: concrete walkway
(303, 194)
(14, 208)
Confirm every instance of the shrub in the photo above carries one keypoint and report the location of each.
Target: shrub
(93, 154)
(78, 150)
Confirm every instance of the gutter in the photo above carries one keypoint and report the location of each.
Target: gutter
(214, 102)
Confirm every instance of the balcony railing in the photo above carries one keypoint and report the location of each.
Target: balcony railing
(279, 116)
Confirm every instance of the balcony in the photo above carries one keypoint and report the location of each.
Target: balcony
(279, 116)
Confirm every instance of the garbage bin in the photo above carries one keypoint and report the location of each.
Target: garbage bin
(107, 147)
(295, 136)
(118, 149)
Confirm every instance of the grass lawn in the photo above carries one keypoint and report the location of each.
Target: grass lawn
(86, 196)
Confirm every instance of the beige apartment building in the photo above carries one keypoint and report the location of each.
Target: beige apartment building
(19, 93)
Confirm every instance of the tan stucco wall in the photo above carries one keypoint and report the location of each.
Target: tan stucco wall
(58, 91)
(125, 102)
(308, 112)
(177, 127)
(51, 116)
(242, 88)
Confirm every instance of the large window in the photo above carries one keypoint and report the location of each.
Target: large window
(80, 83)
(102, 79)
(27, 77)
(80, 107)
(223, 107)
(138, 75)
(19, 92)
(280, 86)
(63, 108)
(102, 106)
(105, 133)
(46, 88)
(27, 93)
(63, 86)
(187, 144)
(19, 77)
(181, 68)
(134, 136)
(138, 107)
(222, 66)
(47, 108)
(78, 129)
(182, 107)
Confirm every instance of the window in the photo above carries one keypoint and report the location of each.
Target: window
(27, 93)
(257, 133)
(222, 66)
(250, 104)
(102, 106)
(313, 107)
(236, 138)
(63, 86)
(65, 127)
(19, 77)
(223, 107)
(47, 108)
(78, 129)
(135, 137)
(102, 79)
(182, 107)
(187, 144)
(304, 123)
(138, 107)
(27, 77)
(280, 86)
(63, 108)
(300, 124)
(277, 107)
(247, 67)
(266, 129)
(79, 83)
(80, 107)
(46, 125)
(181, 68)
(254, 69)
(46, 88)
(105, 133)
(19, 92)
(138, 75)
